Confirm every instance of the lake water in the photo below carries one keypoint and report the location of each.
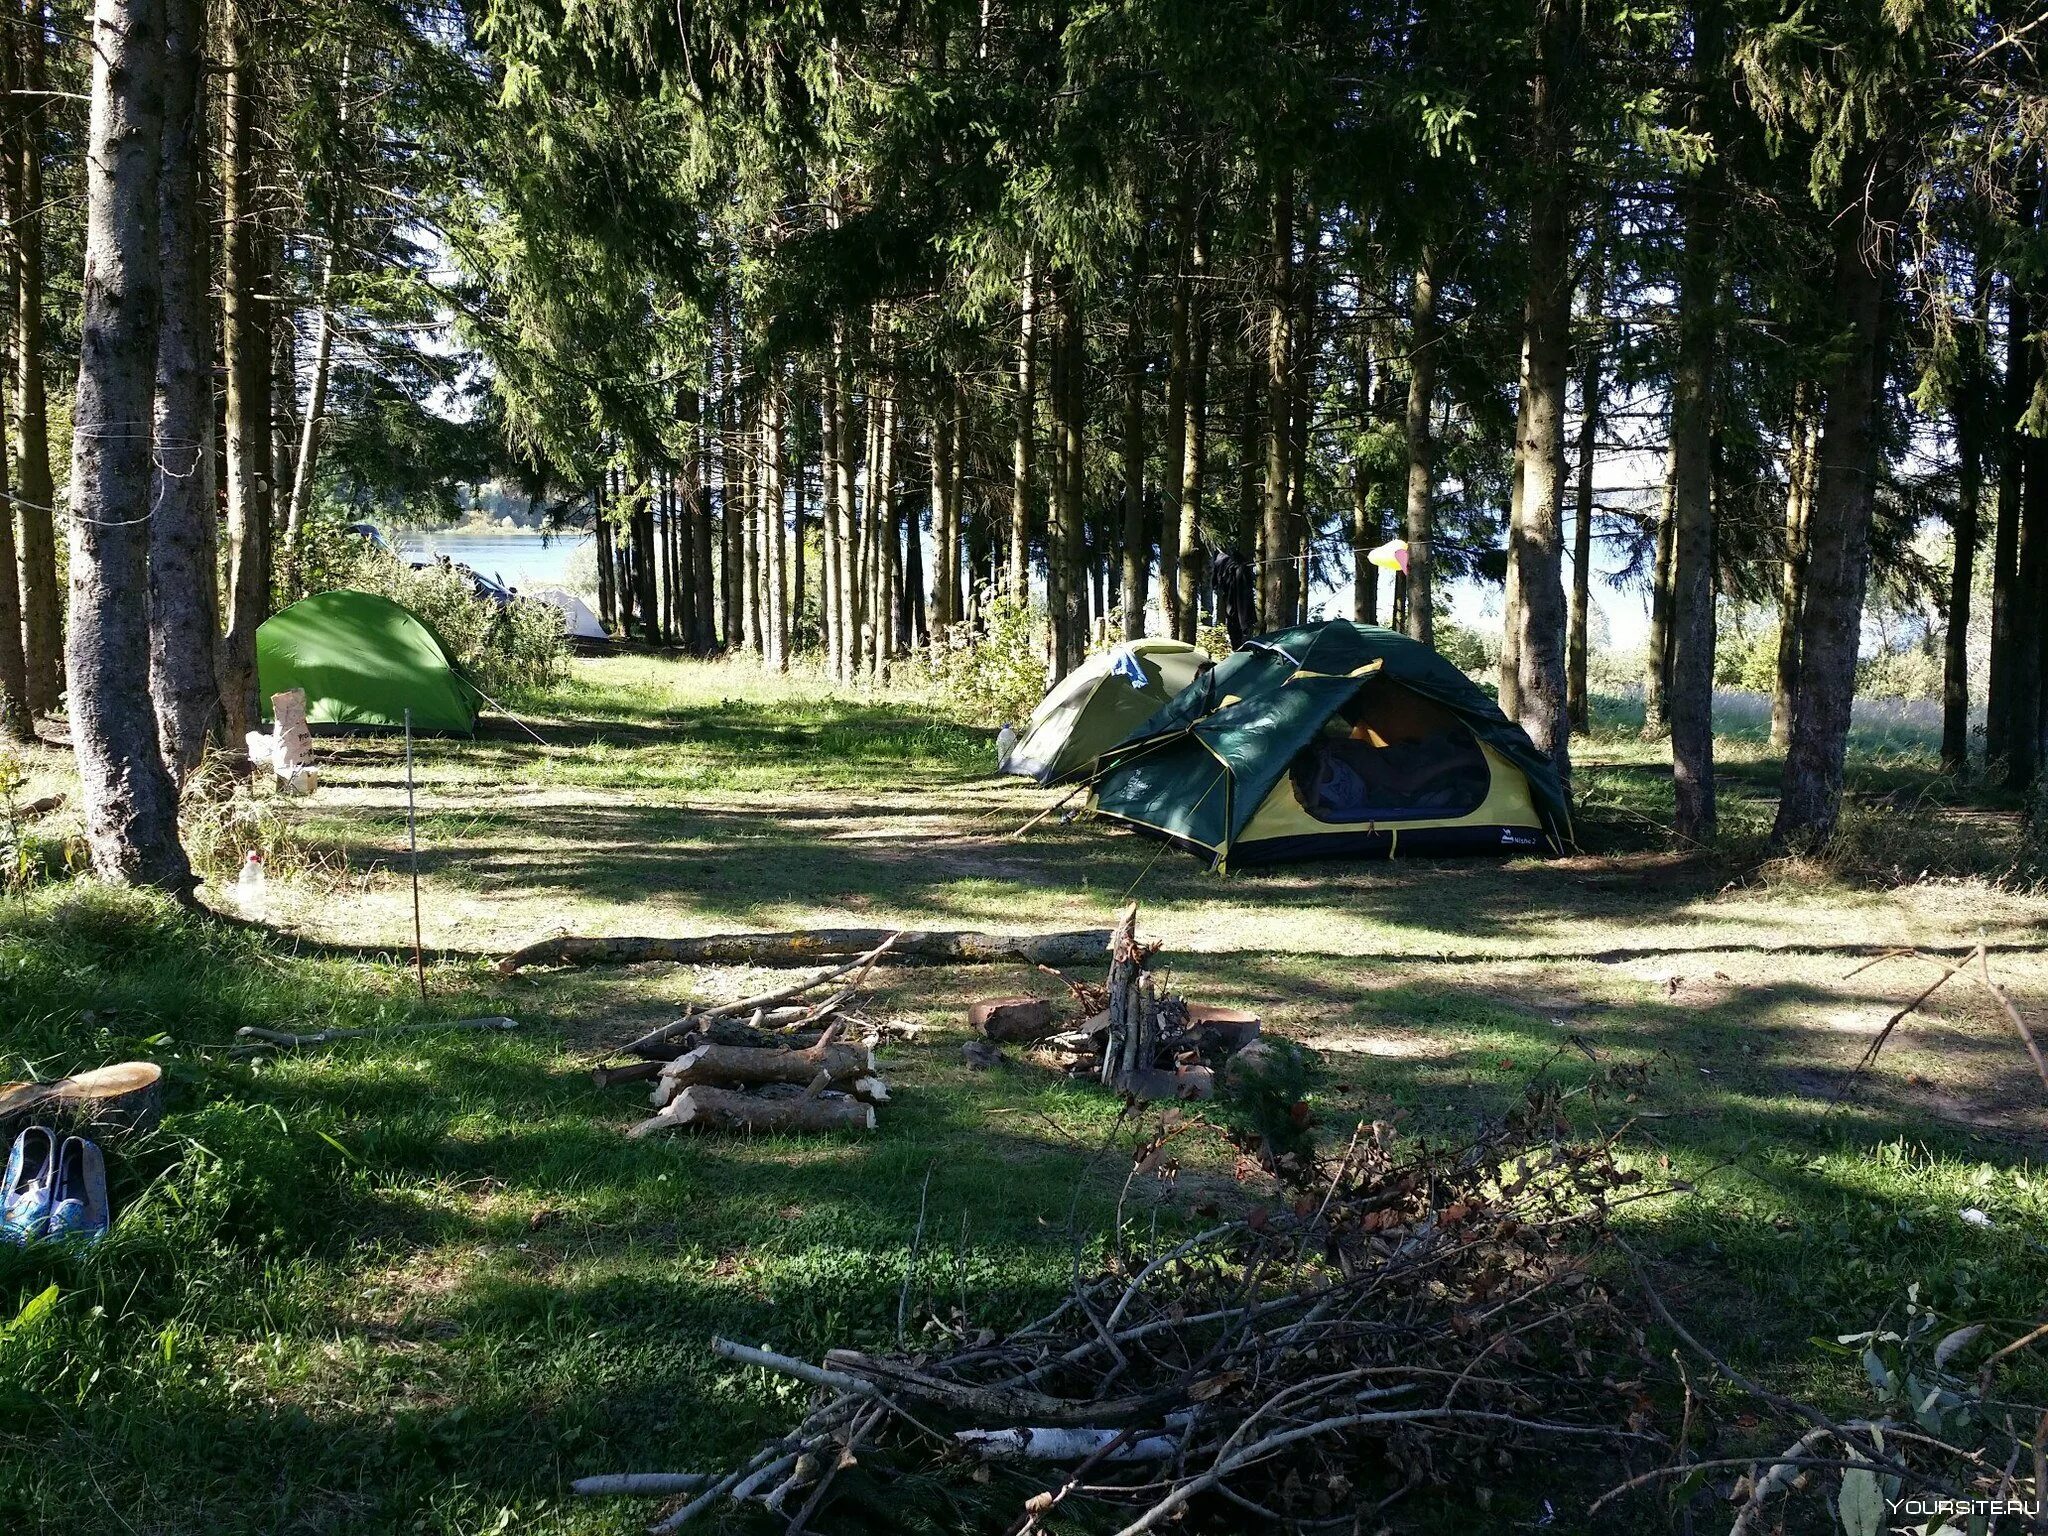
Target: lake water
(522, 560)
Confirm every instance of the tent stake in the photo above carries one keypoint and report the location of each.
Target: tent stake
(412, 843)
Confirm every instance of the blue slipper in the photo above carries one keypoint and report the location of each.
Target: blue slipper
(78, 1212)
(25, 1197)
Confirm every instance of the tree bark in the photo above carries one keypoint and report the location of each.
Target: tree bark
(1799, 468)
(184, 604)
(1577, 703)
(947, 608)
(1691, 695)
(1279, 576)
(245, 339)
(1421, 511)
(1137, 539)
(1968, 415)
(1657, 644)
(17, 721)
(1026, 429)
(131, 806)
(2000, 725)
(307, 461)
(1536, 543)
(1193, 437)
(774, 558)
(1065, 545)
(1838, 538)
(35, 487)
(698, 492)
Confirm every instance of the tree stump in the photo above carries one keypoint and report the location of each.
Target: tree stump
(120, 1100)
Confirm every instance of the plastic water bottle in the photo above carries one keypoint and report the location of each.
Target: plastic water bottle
(249, 884)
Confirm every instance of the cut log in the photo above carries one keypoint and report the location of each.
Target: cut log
(799, 948)
(627, 1072)
(704, 1108)
(39, 807)
(109, 1101)
(1016, 1020)
(749, 1066)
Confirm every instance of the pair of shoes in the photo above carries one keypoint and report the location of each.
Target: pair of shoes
(54, 1190)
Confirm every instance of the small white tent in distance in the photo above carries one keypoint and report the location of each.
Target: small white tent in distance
(578, 622)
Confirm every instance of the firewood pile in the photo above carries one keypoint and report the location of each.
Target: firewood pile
(1134, 1036)
(1404, 1318)
(796, 1058)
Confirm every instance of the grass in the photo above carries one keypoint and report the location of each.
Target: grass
(419, 1284)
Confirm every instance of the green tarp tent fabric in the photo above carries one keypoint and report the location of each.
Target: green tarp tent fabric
(363, 661)
(1246, 764)
(1100, 703)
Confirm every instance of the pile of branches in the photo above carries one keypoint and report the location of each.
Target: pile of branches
(795, 1058)
(1408, 1317)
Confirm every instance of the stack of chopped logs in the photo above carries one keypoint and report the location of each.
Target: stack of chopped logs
(767, 1063)
(1135, 1037)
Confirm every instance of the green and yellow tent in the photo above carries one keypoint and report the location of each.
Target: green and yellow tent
(1099, 704)
(363, 661)
(1334, 739)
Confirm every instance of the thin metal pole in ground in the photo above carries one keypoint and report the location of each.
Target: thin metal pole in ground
(412, 844)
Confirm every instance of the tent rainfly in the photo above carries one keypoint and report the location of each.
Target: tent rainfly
(1334, 739)
(578, 622)
(1099, 704)
(363, 660)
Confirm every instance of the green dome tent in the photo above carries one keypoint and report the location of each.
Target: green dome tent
(363, 661)
(1099, 704)
(1332, 739)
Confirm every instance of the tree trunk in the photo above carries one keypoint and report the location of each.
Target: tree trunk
(645, 573)
(698, 494)
(245, 337)
(1691, 697)
(1277, 592)
(1838, 536)
(1657, 644)
(1193, 438)
(184, 605)
(1799, 468)
(1421, 511)
(131, 806)
(946, 604)
(17, 722)
(1136, 540)
(1026, 429)
(1536, 543)
(1577, 703)
(2006, 600)
(35, 488)
(884, 546)
(1073, 492)
(307, 460)
(1968, 415)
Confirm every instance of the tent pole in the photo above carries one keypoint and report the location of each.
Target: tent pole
(412, 844)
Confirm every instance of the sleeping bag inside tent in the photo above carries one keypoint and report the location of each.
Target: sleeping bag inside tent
(363, 661)
(1099, 704)
(1334, 739)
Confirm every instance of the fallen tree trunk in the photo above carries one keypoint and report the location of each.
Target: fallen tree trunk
(704, 1108)
(749, 1066)
(921, 948)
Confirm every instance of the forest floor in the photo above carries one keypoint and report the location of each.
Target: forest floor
(420, 1284)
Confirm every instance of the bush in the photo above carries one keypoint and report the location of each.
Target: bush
(1466, 649)
(503, 650)
(995, 677)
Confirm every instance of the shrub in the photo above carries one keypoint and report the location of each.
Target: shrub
(995, 677)
(503, 650)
